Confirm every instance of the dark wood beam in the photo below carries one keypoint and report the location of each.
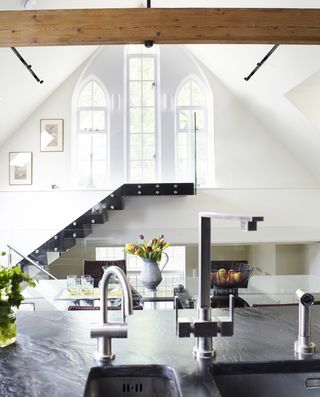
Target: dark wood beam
(163, 26)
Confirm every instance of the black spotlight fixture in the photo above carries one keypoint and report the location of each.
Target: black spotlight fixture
(148, 43)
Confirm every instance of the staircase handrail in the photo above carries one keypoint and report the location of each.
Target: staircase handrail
(32, 262)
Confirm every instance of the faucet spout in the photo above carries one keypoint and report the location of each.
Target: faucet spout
(205, 327)
(105, 331)
(127, 301)
(203, 348)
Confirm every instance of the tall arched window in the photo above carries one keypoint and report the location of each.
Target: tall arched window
(191, 133)
(92, 128)
(142, 115)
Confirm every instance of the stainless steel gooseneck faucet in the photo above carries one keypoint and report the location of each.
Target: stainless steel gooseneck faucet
(106, 331)
(304, 345)
(205, 327)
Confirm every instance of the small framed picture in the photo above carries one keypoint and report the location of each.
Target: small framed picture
(51, 135)
(20, 168)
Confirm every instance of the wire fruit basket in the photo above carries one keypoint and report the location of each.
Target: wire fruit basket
(227, 278)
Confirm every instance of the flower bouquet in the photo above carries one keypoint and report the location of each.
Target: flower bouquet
(151, 250)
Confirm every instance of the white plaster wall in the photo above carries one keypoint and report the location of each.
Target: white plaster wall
(263, 257)
(48, 167)
(312, 259)
(290, 259)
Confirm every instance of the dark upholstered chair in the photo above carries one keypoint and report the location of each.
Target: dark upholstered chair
(95, 268)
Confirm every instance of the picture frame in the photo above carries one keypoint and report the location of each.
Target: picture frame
(20, 168)
(51, 135)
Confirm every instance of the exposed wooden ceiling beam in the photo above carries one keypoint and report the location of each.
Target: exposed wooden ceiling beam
(163, 26)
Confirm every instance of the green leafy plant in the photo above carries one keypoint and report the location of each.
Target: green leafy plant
(152, 249)
(11, 278)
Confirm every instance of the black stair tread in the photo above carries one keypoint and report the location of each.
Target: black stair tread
(158, 189)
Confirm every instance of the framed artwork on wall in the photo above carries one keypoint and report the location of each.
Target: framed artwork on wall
(51, 135)
(20, 168)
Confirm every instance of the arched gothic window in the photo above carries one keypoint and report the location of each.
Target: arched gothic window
(92, 134)
(191, 133)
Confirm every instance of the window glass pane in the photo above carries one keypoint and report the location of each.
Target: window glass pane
(134, 68)
(84, 169)
(98, 96)
(148, 120)
(84, 146)
(148, 170)
(185, 120)
(99, 169)
(201, 139)
(135, 93)
(184, 98)
(135, 120)
(136, 139)
(182, 139)
(148, 152)
(135, 152)
(197, 96)
(148, 93)
(85, 97)
(182, 152)
(98, 120)
(85, 120)
(99, 146)
(148, 139)
(200, 119)
(135, 170)
(148, 68)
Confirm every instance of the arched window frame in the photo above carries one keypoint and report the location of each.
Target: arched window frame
(208, 125)
(77, 109)
(157, 136)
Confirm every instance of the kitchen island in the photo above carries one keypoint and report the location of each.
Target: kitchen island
(54, 353)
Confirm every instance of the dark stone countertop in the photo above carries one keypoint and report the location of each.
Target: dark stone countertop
(54, 352)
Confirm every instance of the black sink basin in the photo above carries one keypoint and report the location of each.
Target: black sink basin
(276, 379)
(132, 381)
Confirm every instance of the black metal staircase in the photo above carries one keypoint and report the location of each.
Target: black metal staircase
(98, 214)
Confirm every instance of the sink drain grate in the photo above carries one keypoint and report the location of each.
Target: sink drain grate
(132, 388)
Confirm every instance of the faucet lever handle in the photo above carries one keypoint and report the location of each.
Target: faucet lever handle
(225, 324)
(184, 325)
(176, 305)
(231, 307)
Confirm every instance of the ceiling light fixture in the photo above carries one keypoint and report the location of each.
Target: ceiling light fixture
(259, 64)
(29, 67)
